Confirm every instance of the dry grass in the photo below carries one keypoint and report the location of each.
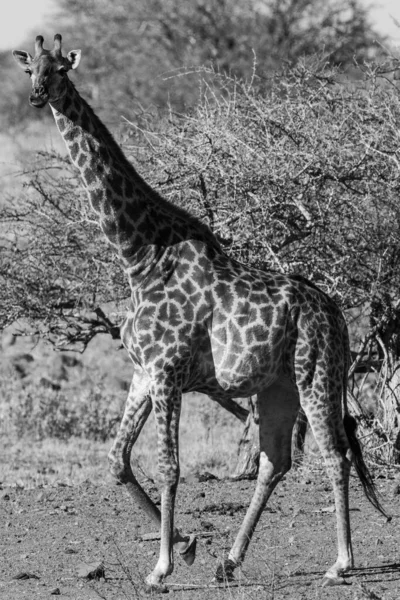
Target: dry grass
(64, 435)
(28, 462)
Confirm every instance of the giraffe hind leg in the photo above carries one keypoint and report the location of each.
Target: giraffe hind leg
(327, 426)
(278, 407)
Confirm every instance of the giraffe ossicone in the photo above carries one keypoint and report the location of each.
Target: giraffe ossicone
(201, 321)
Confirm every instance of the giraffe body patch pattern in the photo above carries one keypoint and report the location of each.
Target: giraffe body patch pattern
(200, 321)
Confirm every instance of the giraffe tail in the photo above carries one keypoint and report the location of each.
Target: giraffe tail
(350, 426)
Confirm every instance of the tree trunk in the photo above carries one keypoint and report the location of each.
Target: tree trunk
(298, 439)
(249, 447)
(391, 409)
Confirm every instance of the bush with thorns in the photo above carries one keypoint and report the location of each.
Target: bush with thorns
(299, 174)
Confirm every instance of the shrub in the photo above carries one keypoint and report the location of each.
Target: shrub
(41, 413)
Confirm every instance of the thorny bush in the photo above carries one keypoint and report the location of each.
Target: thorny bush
(301, 174)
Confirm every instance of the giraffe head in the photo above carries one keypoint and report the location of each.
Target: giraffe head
(47, 70)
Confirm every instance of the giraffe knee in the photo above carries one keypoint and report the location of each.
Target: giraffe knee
(338, 466)
(272, 470)
(168, 476)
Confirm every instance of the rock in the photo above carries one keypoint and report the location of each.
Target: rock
(206, 476)
(25, 575)
(55, 592)
(148, 537)
(94, 570)
(327, 509)
(207, 525)
(225, 508)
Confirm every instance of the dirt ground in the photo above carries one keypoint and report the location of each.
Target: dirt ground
(49, 534)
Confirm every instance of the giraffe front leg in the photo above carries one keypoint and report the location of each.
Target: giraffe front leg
(167, 406)
(137, 410)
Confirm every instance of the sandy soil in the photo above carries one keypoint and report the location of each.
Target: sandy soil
(50, 533)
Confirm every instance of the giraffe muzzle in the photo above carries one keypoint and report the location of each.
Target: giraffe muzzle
(38, 100)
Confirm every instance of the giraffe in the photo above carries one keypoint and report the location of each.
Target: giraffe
(200, 321)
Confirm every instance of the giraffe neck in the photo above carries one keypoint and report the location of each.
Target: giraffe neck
(139, 224)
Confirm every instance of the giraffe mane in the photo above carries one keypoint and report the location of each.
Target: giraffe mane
(188, 220)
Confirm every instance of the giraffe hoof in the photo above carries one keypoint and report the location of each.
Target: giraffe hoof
(331, 581)
(153, 588)
(189, 553)
(225, 571)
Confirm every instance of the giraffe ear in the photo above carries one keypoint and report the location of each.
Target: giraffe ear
(23, 59)
(74, 58)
